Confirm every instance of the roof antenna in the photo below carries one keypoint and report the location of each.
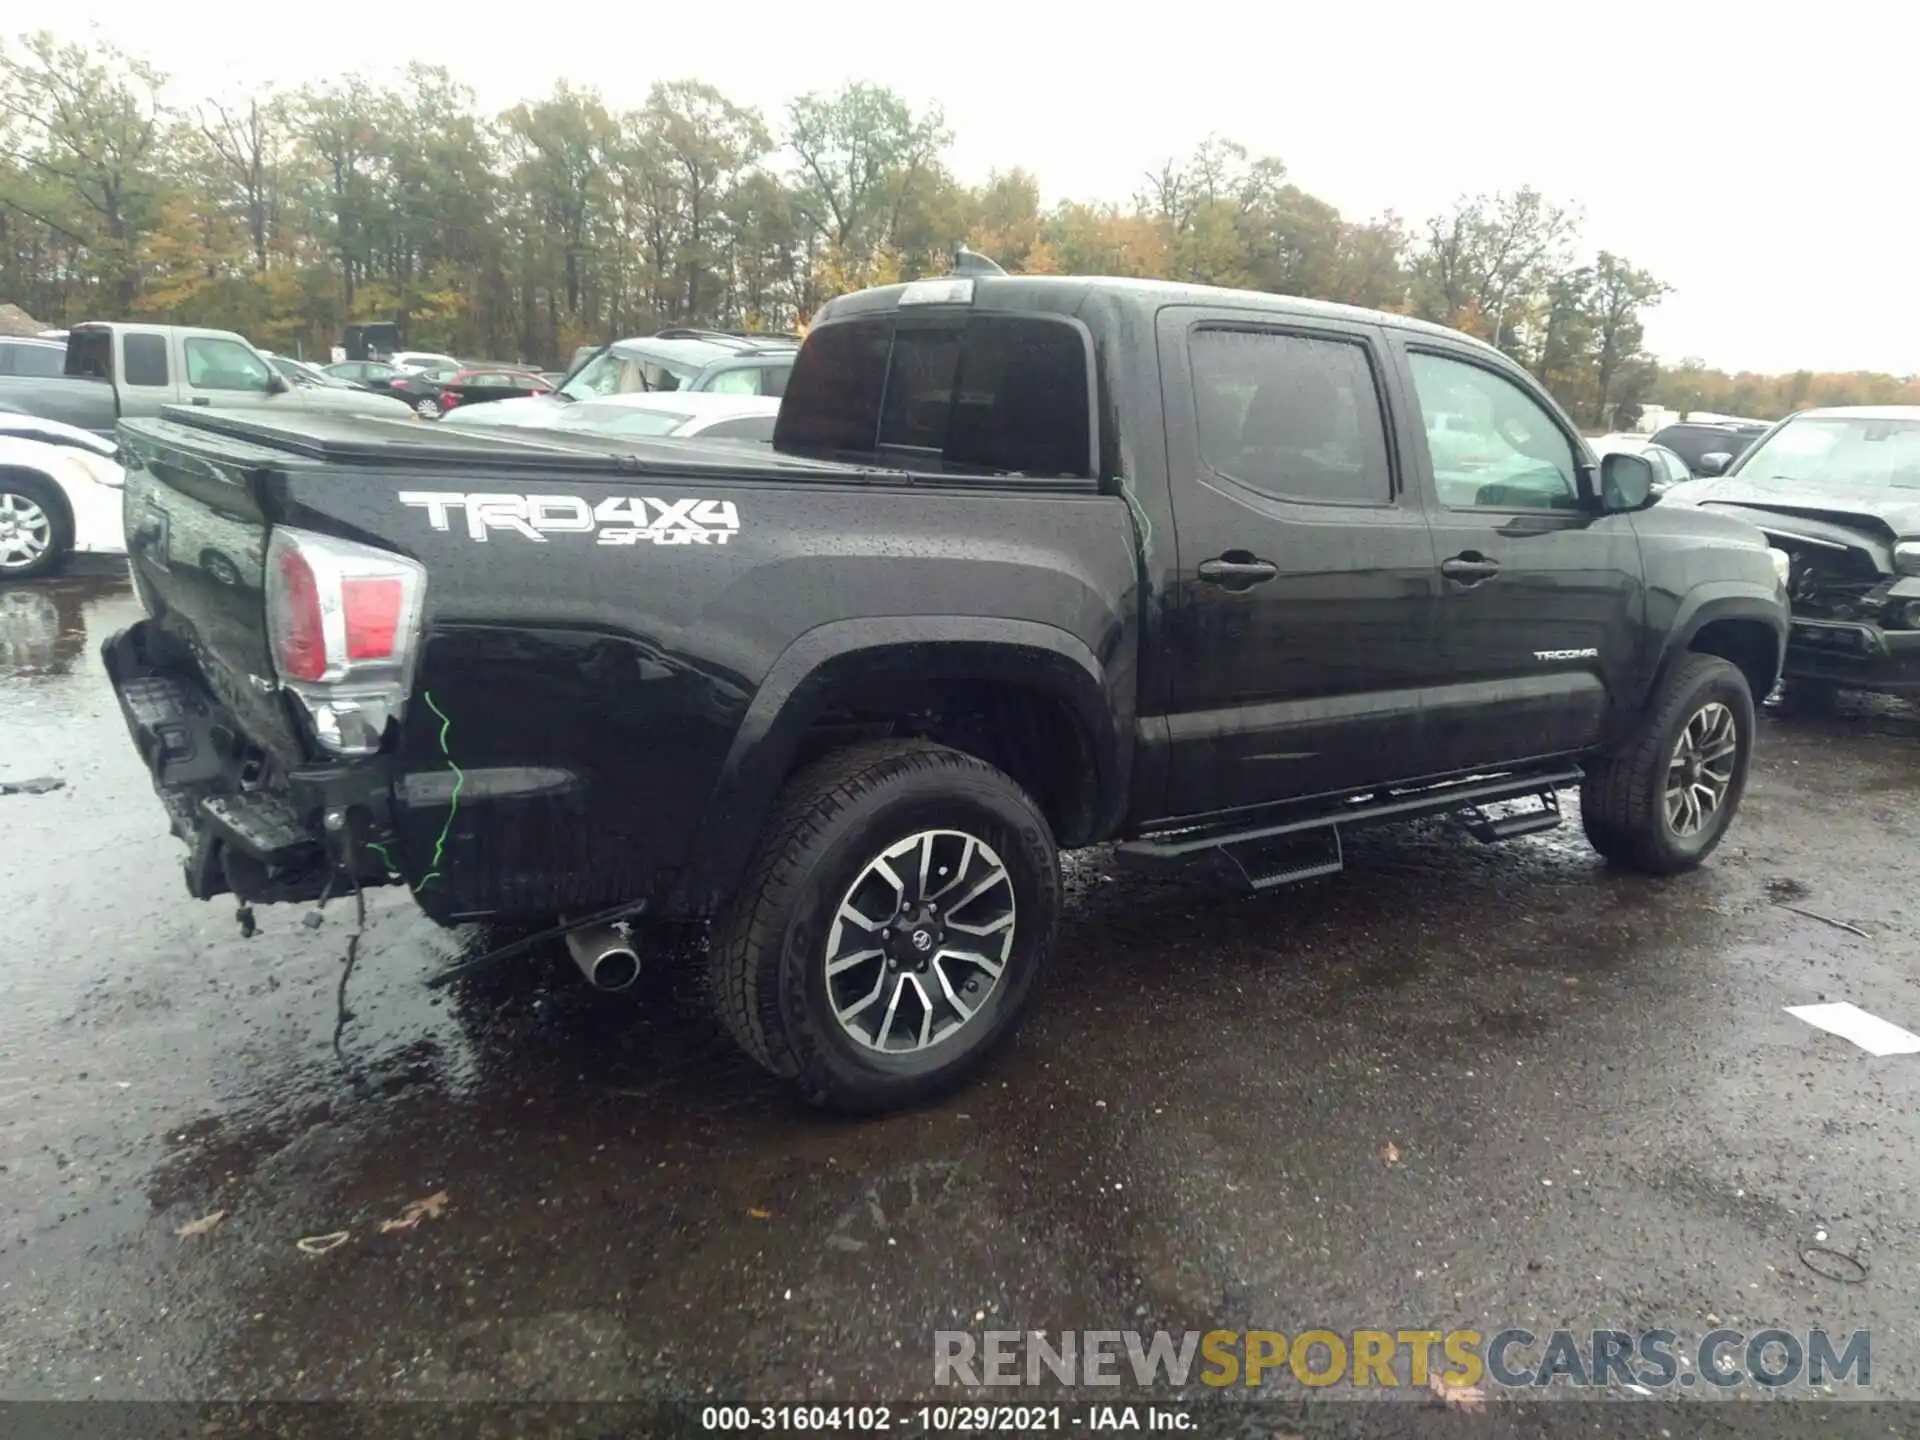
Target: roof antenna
(969, 262)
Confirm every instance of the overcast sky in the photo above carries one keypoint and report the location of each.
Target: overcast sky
(1760, 162)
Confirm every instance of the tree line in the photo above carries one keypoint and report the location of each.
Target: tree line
(562, 221)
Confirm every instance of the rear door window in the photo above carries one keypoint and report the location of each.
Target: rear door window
(743, 381)
(1000, 394)
(658, 375)
(1291, 417)
(146, 357)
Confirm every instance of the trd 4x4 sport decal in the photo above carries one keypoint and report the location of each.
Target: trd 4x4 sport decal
(617, 520)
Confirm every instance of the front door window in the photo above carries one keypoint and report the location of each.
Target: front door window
(1493, 446)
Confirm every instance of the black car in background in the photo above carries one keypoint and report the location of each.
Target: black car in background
(479, 384)
(1694, 440)
(420, 389)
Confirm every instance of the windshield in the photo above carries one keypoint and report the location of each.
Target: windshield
(1837, 451)
(623, 372)
(624, 420)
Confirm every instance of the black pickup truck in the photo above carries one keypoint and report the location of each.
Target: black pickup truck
(1034, 563)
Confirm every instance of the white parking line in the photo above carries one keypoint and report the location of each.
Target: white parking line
(1850, 1022)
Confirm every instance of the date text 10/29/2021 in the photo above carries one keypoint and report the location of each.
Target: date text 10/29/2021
(963, 1419)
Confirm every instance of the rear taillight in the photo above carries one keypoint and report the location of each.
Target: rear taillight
(372, 610)
(344, 624)
(300, 642)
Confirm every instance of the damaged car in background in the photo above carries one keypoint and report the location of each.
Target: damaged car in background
(1839, 491)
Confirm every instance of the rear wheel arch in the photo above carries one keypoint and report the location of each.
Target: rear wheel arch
(1027, 698)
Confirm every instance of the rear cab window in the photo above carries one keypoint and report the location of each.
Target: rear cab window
(90, 354)
(961, 393)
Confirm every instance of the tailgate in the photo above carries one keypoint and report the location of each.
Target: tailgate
(196, 542)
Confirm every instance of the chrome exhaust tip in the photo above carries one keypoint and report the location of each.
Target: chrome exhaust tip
(605, 957)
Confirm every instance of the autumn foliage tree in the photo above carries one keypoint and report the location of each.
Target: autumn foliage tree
(564, 220)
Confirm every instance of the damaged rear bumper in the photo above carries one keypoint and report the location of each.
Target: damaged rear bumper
(251, 831)
(1855, 654)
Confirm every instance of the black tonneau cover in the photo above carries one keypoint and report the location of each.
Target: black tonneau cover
(338, 439)
(251, 440)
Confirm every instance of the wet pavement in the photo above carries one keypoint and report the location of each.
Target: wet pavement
(1455, 1086)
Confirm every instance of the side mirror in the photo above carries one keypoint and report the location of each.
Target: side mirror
(1626, 482)
(277, 384)
(1715, 464)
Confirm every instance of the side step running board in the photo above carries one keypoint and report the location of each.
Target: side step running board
(1268, 852)
(1506, 827)
(1286, 869)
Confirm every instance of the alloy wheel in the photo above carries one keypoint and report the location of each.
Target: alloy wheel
(920, 941)
(26, 531)
(1700, 772)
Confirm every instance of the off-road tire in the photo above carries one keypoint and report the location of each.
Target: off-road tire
(46, 495)
(768, 954)
(1623, 804)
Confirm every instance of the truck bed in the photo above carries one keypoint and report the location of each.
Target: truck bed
(620, 636)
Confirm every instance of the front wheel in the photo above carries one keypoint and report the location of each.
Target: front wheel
(1663, 801)
(427, 408)
(891, 927)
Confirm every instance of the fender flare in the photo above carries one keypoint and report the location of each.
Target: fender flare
(931, 647)
(1713, 601)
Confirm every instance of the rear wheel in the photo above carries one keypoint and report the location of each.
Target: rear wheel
(35, 536)
(1663, 801)
(427, 408)
(891, 926)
